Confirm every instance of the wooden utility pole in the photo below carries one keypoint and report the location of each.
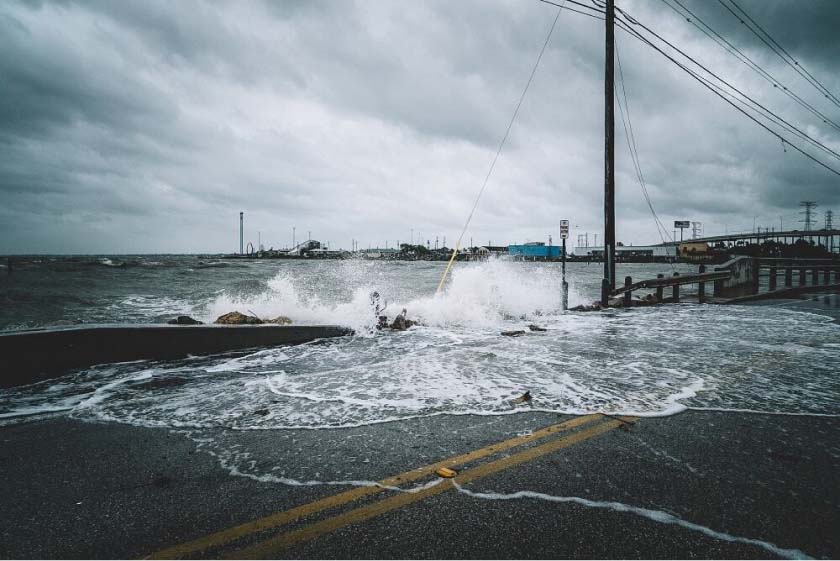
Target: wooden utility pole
(608, 282)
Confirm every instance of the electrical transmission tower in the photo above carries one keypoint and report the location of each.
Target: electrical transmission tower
(809, 207)
(828, 216)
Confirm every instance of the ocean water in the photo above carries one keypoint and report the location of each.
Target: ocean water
(778, 358)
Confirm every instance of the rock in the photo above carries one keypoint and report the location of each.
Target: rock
(400, 323)
(533, 327)
(261, 412)
(525, 397)
(616, 302)
(513, 333)
(236, 318)
(184, 320)
(280, 320)
(594, 307)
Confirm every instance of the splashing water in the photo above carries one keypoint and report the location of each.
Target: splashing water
(646, 361)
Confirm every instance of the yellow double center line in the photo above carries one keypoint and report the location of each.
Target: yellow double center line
(267, 547)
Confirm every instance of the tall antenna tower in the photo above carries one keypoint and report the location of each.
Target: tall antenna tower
(828, 216)
(696, 230)
(809, 207)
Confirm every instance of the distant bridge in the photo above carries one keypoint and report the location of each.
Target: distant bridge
(829, 238)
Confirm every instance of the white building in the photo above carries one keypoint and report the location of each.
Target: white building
(629, 251)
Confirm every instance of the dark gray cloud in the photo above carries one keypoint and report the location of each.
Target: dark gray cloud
(134, 127)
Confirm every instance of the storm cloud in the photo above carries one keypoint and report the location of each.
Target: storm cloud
(148, 126)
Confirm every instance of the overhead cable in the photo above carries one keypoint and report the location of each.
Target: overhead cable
(717, 91)
(499, 149)
(759, 108)
(631, 143)
(697, 22)
(774, 45)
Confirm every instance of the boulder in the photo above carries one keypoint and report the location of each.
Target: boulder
(513, 333)
(594, 307)
(533, 327)
(280, 320)
(400, 322)
(184, 320)
(236, 318)
(524, 398)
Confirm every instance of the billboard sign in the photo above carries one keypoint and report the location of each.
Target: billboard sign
(564, 229)
(682, 224)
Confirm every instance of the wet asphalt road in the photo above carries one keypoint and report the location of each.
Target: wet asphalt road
(74, 489)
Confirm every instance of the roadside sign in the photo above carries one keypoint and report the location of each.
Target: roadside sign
(682, 224)
(564, 229)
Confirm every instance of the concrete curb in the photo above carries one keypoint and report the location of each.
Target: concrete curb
(30, 356)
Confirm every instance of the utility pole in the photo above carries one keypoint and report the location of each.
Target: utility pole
(608, 282)
(293, 237)
(241, 220)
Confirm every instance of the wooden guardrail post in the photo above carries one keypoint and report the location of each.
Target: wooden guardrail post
(771, 283)
(717, 287)
(676, 289)
(701, 287)
(788, 277)
(815, 276)
(802, 276)
(627, 295)
(659, 289)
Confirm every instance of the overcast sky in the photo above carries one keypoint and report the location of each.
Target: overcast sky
(139, 127)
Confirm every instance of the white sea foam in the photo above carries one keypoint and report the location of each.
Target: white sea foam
(654, 515)
(646, 361)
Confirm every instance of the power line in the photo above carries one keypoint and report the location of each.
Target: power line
(774, 45)
(501, 145)
(758, 107)
(567, 8)
(715, 89)
(694, 20)
(631, 143)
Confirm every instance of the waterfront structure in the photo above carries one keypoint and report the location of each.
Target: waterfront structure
(535, 251)
(650, 251)
(488, 250)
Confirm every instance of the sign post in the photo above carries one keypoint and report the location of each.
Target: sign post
(564, 234)
(682, 225)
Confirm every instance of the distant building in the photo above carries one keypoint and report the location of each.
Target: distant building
(488, 250)
(694, 251)
(535, 251)
(650, 251)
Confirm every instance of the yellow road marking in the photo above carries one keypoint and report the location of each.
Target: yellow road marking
(272, 545)
(273, 520)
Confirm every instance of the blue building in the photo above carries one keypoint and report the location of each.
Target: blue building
(535, 251)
